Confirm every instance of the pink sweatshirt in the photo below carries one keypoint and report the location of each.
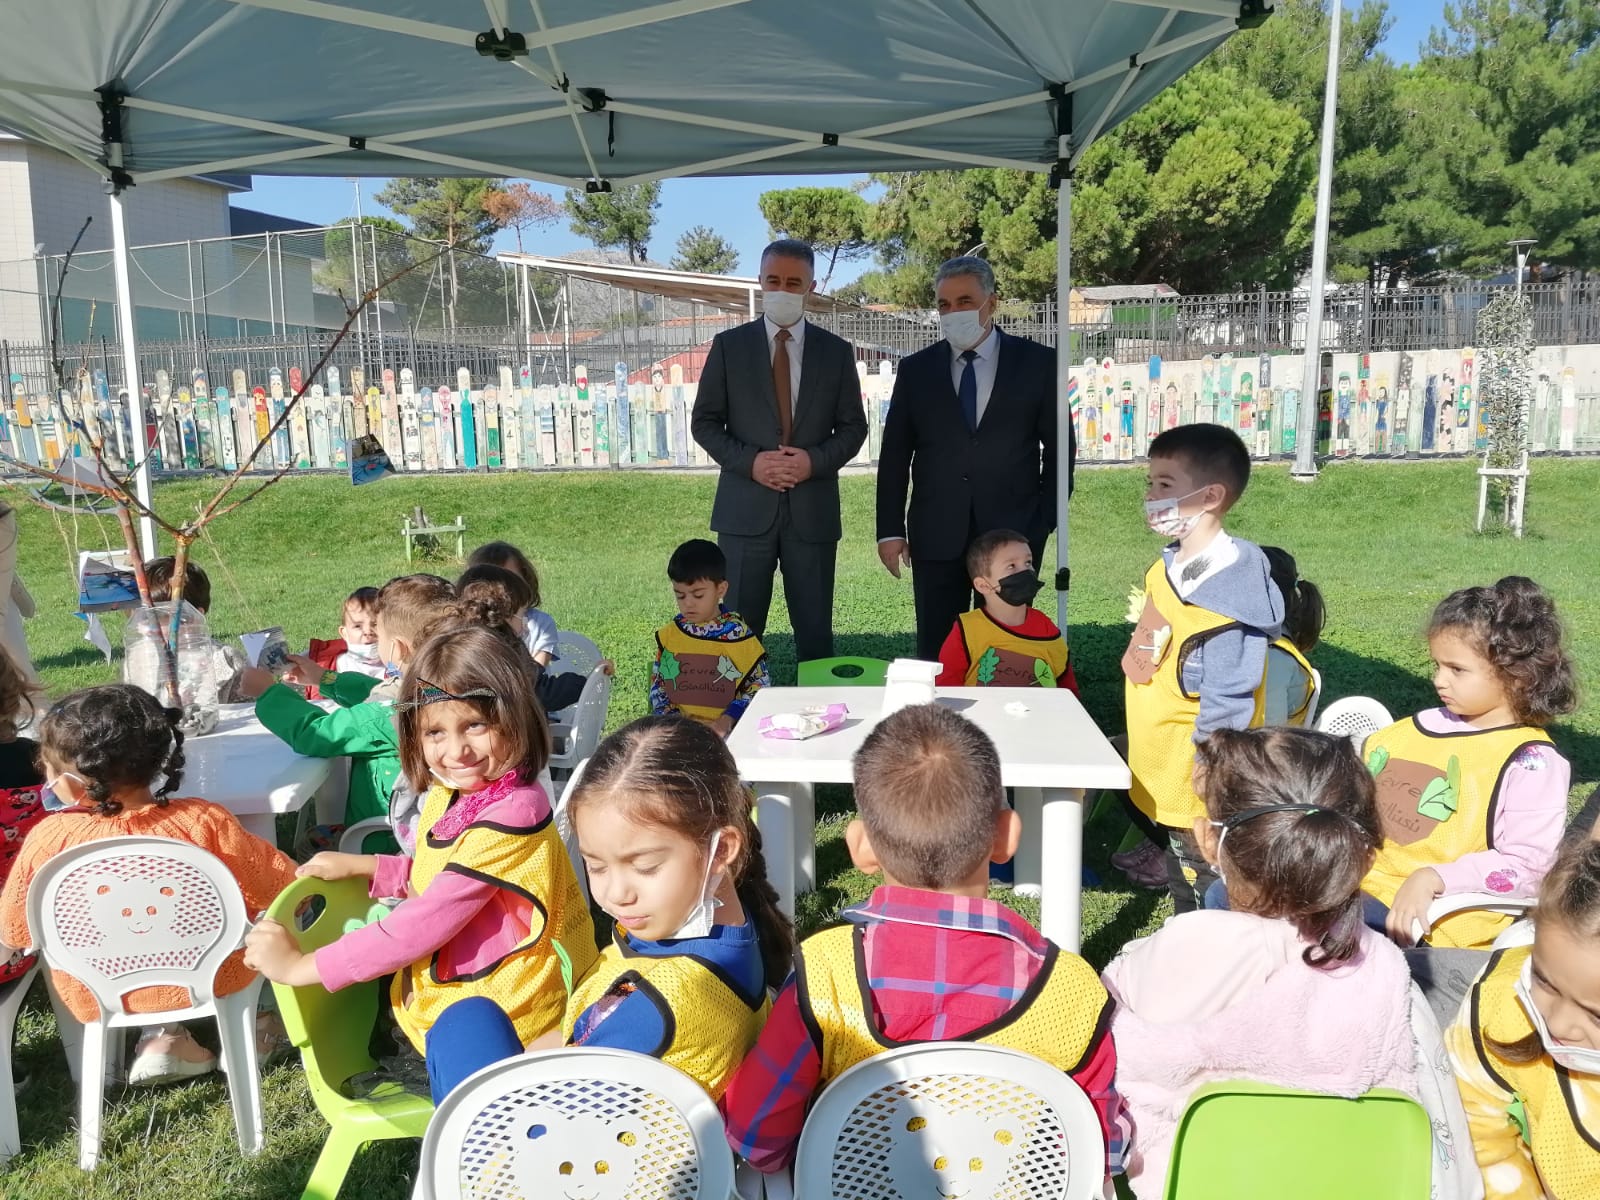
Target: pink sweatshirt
(1529, 820)
(455, 909)
(1215, 995)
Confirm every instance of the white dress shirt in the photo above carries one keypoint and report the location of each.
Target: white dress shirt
(797, 337)
(983, 367)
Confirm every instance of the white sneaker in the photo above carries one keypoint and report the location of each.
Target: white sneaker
(167, 1053)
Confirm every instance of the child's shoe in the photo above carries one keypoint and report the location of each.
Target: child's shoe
(1145, 865)
(167, 1053)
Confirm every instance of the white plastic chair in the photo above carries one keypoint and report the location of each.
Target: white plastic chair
(575, 654)
(1355, 717)
(135, 912)
(1519, 908)
(1288, 691)
(589, 1124)
(950, 1119)
(11, 997)
(580, 735)
(569, 835)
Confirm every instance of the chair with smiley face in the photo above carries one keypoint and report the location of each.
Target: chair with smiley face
(136, 912)
(585, 1123)
(951, 1120)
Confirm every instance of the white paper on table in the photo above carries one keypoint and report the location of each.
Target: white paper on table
(260, 643)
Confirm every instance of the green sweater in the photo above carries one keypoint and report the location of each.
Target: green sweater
(363, 730)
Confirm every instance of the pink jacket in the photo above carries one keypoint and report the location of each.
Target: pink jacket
(1216, 995)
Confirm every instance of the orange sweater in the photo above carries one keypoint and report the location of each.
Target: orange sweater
(262, 871)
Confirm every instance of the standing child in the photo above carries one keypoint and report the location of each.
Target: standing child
(1526, 1046)
(1007, 642)
(104, 749)
(1198, 656)
(1472, 794)
(928, 957)
(709, 664)
(21, 806)
(1289, 988)
(673, 855)
(491, 892)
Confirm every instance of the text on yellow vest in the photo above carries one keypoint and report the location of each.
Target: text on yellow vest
(1001, 657)
(701, 676)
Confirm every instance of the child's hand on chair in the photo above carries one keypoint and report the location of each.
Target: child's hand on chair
(271, 949)
(332, 865)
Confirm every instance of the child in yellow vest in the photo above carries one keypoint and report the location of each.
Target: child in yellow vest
(928, 957)
(1472, 794)
(493, 906)
(708, 662)
(1007, 642)
(1526, 1046)
(1197, 661)
(673, 855)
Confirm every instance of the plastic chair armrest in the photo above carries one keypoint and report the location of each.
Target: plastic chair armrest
(1446, 906)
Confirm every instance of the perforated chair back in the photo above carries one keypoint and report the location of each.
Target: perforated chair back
(575, 654)
(951, 1119)
(1354, 717)
(594, 1123)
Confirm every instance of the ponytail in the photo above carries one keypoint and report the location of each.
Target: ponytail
(774, 933)
(172, 768)
(1304, 612)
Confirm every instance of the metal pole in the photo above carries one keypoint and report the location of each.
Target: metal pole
(1063, 373)
(566, 325)
(377, 301)
(272, 312)
(1305, 450)
(130, 370)
(527, 318)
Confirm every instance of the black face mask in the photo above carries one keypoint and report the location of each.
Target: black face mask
(1019, 588)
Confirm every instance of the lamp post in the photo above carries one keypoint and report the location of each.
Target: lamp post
(1522, 246)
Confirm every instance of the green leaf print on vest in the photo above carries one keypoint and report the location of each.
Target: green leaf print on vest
(669, 666)
(727, 670)
(1377, 759)
(1041, 673)
(987, 665)
(1439, 797)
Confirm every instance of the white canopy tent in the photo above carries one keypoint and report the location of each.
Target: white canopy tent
(592, 93)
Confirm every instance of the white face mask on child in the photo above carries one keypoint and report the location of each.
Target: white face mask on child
(1580, 1060)
(367, 652)
(703, 915)
(1164, 518)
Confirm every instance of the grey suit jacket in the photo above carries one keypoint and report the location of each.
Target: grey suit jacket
(736, 417)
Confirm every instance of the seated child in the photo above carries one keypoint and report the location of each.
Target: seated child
(103, 749)
(1290, 988)
(1198, 656)
(557, 691)
(928, 957)
(356, 648)
(1473, 795)
(708, 665)
(1526, 1046)
(538, 631)
(21, 805)
(490, 892)
(237, 680)
(1007, 642)
(673, 855)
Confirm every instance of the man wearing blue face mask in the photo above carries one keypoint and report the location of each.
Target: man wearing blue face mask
(779, 409)
(971, 436)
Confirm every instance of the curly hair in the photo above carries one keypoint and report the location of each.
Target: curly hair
(491, 595)
(113, 738)
(1514, 626)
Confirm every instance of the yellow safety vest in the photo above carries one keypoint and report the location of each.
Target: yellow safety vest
(1560, 1112)
(536, 885)
(710, 1024)
(1059, 1020)
(1001, 657)
(1161, 713)
(702, 676)
(1437, 796)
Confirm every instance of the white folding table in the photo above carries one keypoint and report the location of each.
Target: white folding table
(1050, 753)
(247, 769)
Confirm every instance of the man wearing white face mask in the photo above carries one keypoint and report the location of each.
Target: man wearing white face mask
(779, 409)
(971, 436)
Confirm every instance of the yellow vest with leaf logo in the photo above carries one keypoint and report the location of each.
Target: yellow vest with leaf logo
(1437, 796)
(701, 676)
(1060, 1019)
(710, 1025)
(1161, 712)
(1001, 657)
(535, 885)
(1556, 1112)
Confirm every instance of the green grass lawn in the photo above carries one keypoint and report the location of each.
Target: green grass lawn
(1385, 542)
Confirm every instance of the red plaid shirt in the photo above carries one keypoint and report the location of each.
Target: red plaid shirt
(938, 966)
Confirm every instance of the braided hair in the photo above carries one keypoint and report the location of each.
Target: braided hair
(115, 737)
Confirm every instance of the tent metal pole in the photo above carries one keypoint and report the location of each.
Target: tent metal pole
(1063, 372)
(1305, 447)
(130, 371)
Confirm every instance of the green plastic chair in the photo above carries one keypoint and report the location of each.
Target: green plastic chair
(332, 1030)
(1253, 1141)
(846, 672)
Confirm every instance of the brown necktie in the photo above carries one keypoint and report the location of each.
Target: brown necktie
(780, 384)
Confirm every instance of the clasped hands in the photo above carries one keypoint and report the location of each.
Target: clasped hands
(782, 468)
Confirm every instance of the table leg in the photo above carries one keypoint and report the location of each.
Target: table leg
(1026, 871)
(1061, 847)
(775, 818)
(804, 799)
(263, 825)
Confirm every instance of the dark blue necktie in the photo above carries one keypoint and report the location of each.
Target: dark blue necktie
(967, 393)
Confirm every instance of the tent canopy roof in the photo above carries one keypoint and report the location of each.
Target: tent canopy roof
(617, 90)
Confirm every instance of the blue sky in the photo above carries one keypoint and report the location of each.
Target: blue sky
(727, 205)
